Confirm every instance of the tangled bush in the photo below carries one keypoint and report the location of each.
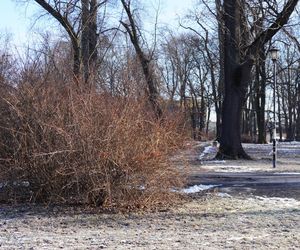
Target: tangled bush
(87, 148)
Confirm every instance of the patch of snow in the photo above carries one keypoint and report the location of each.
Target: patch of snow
(207, 150)
(197, 188)
(288, 149)
(21, 183)
(216, 161)
(224, 195)
(288, 173)
(15, 183)
(291, 143)
(258, 146)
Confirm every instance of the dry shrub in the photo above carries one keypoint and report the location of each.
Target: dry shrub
(87, 148)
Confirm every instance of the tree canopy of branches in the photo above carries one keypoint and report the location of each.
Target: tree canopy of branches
(145, 60)
(79, 20)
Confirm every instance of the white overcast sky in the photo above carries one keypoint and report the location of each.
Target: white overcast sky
(17, 20)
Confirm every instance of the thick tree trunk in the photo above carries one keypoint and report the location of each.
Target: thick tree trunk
(89, 37)
(230, 142)
(236, 79)
(93, 36)
(76, 59)
(238, 61)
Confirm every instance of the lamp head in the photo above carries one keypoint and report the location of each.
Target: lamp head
(274, 52)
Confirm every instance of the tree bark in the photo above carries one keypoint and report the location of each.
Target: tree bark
(89, 37)
(85, 52)
(93, 36)
(236, 78)
(221, 36)
(238, 63)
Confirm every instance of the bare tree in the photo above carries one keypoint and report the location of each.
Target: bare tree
(239, 59)
(83, 34)
(62, 16)
(145, 59)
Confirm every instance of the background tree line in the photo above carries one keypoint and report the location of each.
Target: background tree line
(109, 72)
(184, 69)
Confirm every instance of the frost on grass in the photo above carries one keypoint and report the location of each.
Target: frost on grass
(276, 201)
(232, 168)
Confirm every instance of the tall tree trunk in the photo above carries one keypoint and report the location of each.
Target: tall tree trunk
(76, 58)
(221, 36)
(230, 143)
(182, 90)
(89, 37)
(93, 36)
(85, 52)
(236, 81)
(237, 72)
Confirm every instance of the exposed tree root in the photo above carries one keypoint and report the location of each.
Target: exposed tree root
(230, 154)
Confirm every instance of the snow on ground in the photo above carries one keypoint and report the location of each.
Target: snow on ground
(290, 143)
(208, 150)
(197, 188)
(231, 168)
(288, 173)
(288, 159)
(223, 195)
(216, 161)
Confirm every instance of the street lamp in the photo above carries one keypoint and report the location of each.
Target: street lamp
(274, 52)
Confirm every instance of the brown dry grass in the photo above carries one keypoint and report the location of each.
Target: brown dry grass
(87, 148)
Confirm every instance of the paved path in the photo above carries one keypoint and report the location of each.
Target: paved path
(258, 183)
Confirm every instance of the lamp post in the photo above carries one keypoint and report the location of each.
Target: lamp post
(274, 52)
